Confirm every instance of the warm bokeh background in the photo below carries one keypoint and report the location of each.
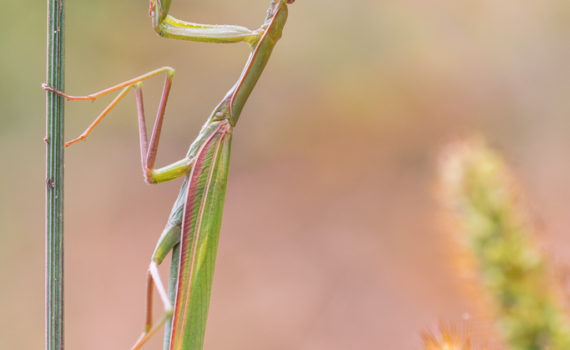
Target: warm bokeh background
(331, 237)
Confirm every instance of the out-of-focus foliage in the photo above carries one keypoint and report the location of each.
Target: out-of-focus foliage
(491, 224)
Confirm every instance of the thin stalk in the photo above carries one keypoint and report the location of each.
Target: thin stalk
(54, 177)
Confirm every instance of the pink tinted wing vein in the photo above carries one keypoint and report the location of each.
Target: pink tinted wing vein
(182, 296)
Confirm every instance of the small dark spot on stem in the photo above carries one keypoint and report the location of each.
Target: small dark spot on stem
(46, 139)
(50, 184)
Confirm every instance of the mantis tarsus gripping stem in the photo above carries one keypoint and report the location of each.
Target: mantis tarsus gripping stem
(194, 223)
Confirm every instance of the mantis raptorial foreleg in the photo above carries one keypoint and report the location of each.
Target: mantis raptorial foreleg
(170, 27)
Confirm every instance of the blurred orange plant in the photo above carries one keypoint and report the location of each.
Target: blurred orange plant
(497, 240)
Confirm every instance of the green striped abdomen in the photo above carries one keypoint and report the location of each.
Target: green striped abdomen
(201, 224)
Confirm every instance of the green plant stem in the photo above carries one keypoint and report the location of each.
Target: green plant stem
(54, 177)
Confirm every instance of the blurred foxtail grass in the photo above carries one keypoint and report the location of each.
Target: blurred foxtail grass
(498, 244)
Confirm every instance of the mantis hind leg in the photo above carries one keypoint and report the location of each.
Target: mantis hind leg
(153, 280)
(168, 242)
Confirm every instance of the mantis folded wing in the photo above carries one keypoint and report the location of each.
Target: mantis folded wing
(193, 227)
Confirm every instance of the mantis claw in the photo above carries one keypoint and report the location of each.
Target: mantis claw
(46, 87)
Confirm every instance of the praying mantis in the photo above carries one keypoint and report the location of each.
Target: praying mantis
(193, 226)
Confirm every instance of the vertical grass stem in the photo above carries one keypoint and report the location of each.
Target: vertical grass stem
(54, 176)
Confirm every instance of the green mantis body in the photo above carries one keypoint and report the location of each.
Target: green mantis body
(193, 226)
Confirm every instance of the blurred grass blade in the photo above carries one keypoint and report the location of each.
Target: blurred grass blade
(498, 240)
(54, 177)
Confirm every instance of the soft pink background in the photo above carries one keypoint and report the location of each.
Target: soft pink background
(331, 237)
